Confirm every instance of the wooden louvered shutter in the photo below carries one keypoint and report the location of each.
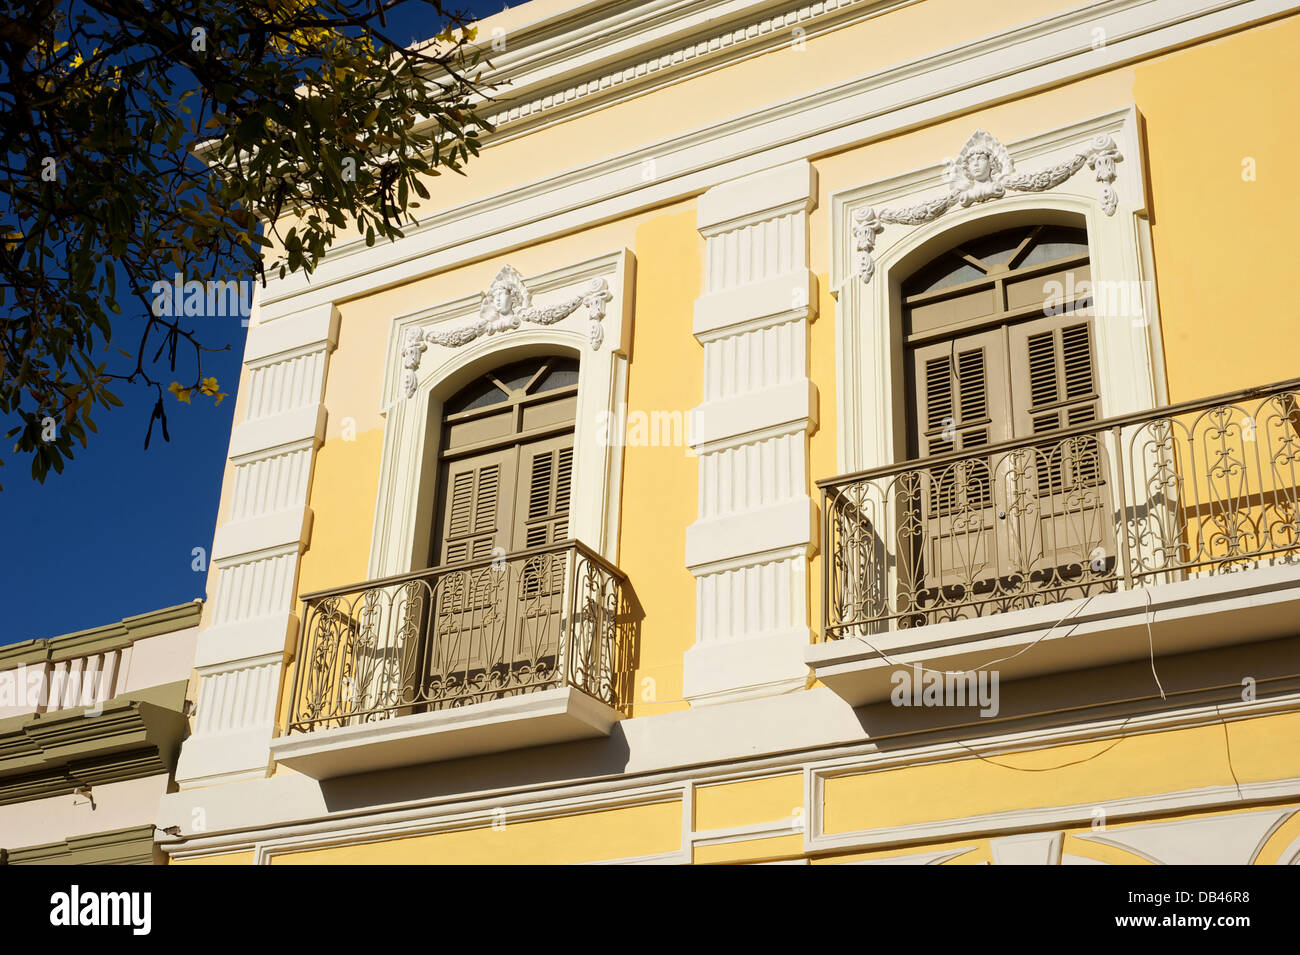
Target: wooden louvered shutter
(475, 519)
(962, 405)
(1054, 381)
(541, 517)
(545, 482)
(506, 471)
(476, 515)
(962, 397)
(1053, 374)
(1054, 385)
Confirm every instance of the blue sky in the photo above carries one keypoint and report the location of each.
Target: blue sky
(115, 534)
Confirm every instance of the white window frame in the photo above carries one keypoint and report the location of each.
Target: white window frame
(406, 502)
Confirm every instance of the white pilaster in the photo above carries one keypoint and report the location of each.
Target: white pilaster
(252, 628)
(749, 549)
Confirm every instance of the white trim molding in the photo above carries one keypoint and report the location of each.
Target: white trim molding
(750, 546)
(241, 653)
(1229, 839)
(435, 351)
(869, 357)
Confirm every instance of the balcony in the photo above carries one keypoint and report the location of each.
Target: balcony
(957, 559)
(519, 650)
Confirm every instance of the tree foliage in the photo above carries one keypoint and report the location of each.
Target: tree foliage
(217, 141)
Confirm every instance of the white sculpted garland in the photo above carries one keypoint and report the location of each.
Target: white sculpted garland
(983, 170)
(505, 304)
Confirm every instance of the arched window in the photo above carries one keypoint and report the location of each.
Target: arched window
(506, 461)
(999, 347)
(993, 351)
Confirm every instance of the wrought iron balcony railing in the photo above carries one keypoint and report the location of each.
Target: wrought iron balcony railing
(451, 636)
(1197, 488)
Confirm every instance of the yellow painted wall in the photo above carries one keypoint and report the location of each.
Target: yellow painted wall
(977, 848)
(1072, 774)
(612, 834)
(752, 850)
(822, 449)
(660, 484)
(1075, 774)
(225, 858)
(751, 801)
(1223, 250)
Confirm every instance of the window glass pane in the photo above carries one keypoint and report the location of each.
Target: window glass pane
(1056, 242)
(483, 392)
(944, 272)
(563, 374)
(995, 249)
(479, 393)
(519, 374)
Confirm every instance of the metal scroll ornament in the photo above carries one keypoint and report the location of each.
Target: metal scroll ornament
(984, 170)
(506, 304)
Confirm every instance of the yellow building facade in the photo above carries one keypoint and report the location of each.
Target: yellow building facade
(863, 431)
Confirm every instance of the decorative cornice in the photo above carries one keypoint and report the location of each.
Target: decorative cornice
(131, 846)
(503, 307)
(663, 42)
(47, 755)
(982, 171)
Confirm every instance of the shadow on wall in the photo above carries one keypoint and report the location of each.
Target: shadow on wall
(1119, 691)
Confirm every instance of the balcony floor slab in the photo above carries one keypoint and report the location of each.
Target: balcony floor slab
(532, 719)
(1197, 614)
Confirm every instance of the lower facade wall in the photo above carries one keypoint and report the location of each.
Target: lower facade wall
(71, 818)
(1220, 792)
